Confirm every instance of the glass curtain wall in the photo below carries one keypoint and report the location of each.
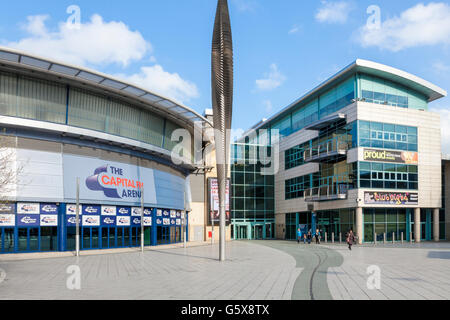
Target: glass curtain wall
(36, 99)
(381, 91)
(385, 221)
(252, 194)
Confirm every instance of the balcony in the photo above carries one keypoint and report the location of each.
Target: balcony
(327, 121)
(335, 191)
(331, 150)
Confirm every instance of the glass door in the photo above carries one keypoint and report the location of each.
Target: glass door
(28, 240)
(6, 240)
(147, 236)
(269, 229)
(49, 239)
(242, 233)
(258, 232)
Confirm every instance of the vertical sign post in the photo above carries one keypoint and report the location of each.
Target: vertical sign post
(184, 229)
(77, 220)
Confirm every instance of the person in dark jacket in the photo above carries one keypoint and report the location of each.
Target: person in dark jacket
(309, 237)
(350, 239)
(317, 236)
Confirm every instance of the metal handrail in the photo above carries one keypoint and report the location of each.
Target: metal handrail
(326, 148)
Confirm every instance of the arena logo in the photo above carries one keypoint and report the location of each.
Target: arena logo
(28, 220)
(114, 184)
(91, 210)
(109, 221)
(28, 208)
(48, 220)
(49, 209)
(73, 220)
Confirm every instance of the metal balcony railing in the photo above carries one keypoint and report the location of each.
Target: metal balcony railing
(335, 191)
(330, 148)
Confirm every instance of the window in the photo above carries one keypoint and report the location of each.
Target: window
(385, 92)
(295, 157)
(295, 188)
(388, 176)
(387, 136)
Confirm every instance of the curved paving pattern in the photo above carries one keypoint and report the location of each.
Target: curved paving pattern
(409, 272)
(253, 272)
(314, 261)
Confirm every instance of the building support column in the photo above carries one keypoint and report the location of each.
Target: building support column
(417, 233)
(359, 224)
(436, 234)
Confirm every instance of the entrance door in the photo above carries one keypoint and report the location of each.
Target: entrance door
(108, 237)
(135, 236)
(163, 235)
(28, 240)
(258, 235)
(91, 238)
(147, 236)
(6, 240)
(49, 239)
(241, 232)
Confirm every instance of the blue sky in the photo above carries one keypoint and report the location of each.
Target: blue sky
(282, 48)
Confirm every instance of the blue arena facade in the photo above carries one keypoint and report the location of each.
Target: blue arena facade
(61, 123)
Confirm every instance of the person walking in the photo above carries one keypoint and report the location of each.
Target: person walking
(317, 236)
(350, 239)
(299, 235)
(304, 238)
(309, 237)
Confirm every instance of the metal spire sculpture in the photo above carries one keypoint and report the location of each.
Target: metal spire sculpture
(222, 101)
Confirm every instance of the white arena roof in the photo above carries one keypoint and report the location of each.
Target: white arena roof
(15, 58)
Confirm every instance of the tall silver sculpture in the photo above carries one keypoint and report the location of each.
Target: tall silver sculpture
(222, 101)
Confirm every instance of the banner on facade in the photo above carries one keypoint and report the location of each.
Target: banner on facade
(28, 208)
(391, 198)
(401, 157)
(7, 220)
(7, 208)
(213, 202)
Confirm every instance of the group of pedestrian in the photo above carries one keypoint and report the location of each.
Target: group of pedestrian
(308, 236)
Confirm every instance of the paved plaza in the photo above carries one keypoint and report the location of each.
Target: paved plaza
(255, 270)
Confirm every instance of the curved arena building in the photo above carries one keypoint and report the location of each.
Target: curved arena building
(62, 124)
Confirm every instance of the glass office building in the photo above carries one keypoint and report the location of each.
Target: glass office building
(361, 152)
(252, 195)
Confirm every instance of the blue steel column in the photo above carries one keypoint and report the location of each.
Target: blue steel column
(154, 228)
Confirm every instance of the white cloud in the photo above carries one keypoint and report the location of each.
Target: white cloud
(156, 79)
(95, 42)
(294, 29)
(440, 67)
(334, 12)
(245, 5)
(421, 25)
(272, 80)
(99, 43)
(445, 119)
